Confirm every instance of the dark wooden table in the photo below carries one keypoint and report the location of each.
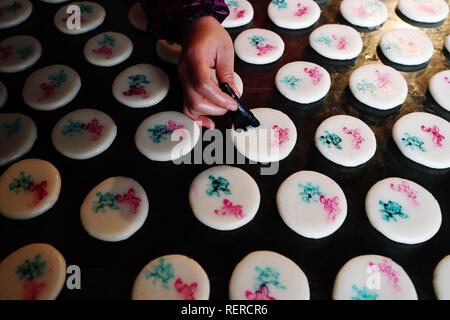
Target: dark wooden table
(109, 269)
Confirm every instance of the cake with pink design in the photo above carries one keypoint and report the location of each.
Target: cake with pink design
(267, 275)
(241, 13)
(425, 11)
(273, 140)
(336, 42)
(224, 197)
(311, 204)
(171, 277)
(293, 14)
(303, 82)
(439, 86)
(403, 211)
(423, 138)
(378, 86)
(364, 13)
(258, 46)
(345, 140)
(373, 277)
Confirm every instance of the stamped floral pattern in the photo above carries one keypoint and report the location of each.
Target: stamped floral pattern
(76, 127)
(402, 46)
(259, 42)
(413, 142)
(310, 193)
(164, 131)
(228, 209)
(25, 183)
(280, 135)
(186, 291)
(6, 52)
(11, 127)
(434, 131)
(54, 81)
(338, 42)
(391, 211)
(357, 138)
(29, 272)
(217, 185)
(314, 74)
(364, 293)
(405, 188)
(330, 139)
(301, 10)
(162, 271)
(386, 269)
(265, 277)
(137, 86)
(291, 81)
(11, 7)
(424, 6)
(107, 44)
(368, 8)
(111, 201)
(383, 80)
(281, 4)
(235, 9)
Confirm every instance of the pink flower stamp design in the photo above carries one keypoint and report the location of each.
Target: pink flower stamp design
(437, 137)
(261, 294)
(301, 10)
(314, 74)
(5, 52)
(280, 135)
(409, 45)
(31, 289)
(238, 14)
(390, 273)
(331, 206)
(425, 7)
(341, 42)
(383, 79)
(357, 139)
(228, 209)
(447, 79)
(407, 190)
(130, 199)
(186, 291)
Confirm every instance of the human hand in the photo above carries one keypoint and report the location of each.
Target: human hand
(206, 45)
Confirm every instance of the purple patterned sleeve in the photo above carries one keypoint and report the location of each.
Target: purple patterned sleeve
(168, 18)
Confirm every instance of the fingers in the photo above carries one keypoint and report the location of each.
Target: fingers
(200, 119)
(205, 85)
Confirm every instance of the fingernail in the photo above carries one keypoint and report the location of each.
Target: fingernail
(232, 107)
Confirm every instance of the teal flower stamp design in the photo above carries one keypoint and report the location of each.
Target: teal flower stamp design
(13, 7)
(105, 200)
(413, 142)
(25, 52)
(217, 184)
(11, 127)
(86, 8)
(108, 40)
(364, 293)
(327, 40)
(257, 41)
(330, 139)
(291, 81)
(72, 127)
(31, 269)
(267, 276)
(366, 87)
(390, 210)
(232, 3)
(310, 192)
(162, 132)
(163, 271)
(281, 4)
(23, 182)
